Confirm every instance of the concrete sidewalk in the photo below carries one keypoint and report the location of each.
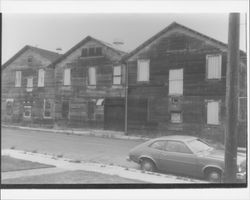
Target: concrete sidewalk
(86, 132)
(71, 165)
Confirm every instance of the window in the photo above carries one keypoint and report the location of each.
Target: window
(176, 117)
(91, 110)
(67, 76)
(143, 70)
(92, 51)
(213, 112)
(117, 75)
(9, 106)
(41, 75)
(176, 82)
(18, 79)
(242, 110)
(213, 66)
(177, 147)
(29, 84)
(98, 51)
(47, 108)
(92, 76)
(30, 59)
(65, 109)
(27, 111)
(84, 52)
(160, 145)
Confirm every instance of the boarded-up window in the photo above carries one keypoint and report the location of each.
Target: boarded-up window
(18, 79)
(92, 76)
(9, 106)
(176, 82)
(213, 66)
(67, 76)
(27, 111)
(213, 112)
(41, 75)
(176, 117)
(47, 108)
(242, 109)
(143, 70)
(29, 84)
(117, 75)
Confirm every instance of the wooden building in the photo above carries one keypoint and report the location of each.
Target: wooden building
(28, 87)
(90, 86)
(177, 84)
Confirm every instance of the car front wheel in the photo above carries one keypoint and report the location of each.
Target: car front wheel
(147, 165)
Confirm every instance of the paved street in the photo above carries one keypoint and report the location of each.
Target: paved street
(79, 147)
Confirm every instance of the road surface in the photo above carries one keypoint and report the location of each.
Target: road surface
(78, 147)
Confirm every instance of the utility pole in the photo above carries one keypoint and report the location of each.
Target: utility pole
(232, 99)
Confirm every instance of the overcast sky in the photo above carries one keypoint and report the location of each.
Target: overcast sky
(50, 31)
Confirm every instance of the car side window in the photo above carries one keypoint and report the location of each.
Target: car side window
(178, 147)
(160, 145)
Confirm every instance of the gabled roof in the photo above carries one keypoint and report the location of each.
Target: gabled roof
(50, 55)
(168, 28)
(78, 45)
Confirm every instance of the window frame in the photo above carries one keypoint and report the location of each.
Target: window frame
(44, 109)
(169, 83)
(165, 141)
(181, 118)
(117, 76)
(25, 116)
(29, 88)
(41, 83)
(64, 76)
(7, 104)
(148, 73)
(219, 112)
(207, 67)
(16, 78)
(89, 75)
(191, 152)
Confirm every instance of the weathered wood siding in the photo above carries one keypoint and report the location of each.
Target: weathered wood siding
(20, 95)
(175, 51)
(79, 93)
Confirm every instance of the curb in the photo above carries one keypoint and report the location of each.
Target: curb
(95, 133)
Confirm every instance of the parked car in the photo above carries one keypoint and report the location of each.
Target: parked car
(186, 155)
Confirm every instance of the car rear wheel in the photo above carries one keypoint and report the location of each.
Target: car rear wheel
(213, 176)
(147, 165)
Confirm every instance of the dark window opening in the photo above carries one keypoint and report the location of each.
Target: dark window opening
(84, 52)
(9, 108)
(65, 109)
(98, 51)
(178, 43)
(91, 51)
(30, 58)
(91, 110)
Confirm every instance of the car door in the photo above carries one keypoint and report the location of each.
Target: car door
(178, 158)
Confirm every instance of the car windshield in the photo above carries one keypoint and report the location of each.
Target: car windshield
(198, 146)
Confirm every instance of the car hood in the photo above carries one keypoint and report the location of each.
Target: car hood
(220, 155)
